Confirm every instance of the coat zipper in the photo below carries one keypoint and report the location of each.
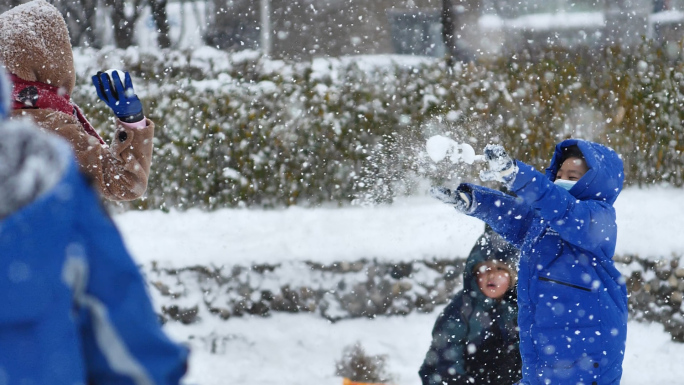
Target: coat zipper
(564, 283)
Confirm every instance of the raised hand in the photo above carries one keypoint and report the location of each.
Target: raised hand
(502, 167)
(118, 95)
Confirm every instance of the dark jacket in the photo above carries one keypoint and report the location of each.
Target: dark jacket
(573, 301)
(476, 338)
(73, 305)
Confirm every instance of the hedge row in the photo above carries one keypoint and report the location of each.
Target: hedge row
(336, 291)
(242, 130)
(369, 288)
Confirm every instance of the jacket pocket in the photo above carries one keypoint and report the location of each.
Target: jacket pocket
(551, 280)
(562, 303)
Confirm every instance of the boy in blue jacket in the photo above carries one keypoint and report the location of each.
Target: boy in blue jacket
(73, 305)
(572, 300)
(475, 339)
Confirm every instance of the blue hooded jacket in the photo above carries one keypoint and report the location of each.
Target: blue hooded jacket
(5, 96)
(73, 305)
(572, 300)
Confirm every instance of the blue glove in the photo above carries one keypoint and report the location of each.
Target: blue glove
(502, 167)
(119, 96)
(461, 198)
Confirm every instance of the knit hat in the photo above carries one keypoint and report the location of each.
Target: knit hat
(5, 95)
(512, 271)
(492, 247)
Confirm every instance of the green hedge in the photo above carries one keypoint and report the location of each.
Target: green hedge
(238, 130)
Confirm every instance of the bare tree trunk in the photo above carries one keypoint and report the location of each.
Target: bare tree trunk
(80, 18)
(454, 21)
(265, 27)
(6, 5)
(161, 21)
(124, 26)
(448, 29)
(90, 12)
(234, 25)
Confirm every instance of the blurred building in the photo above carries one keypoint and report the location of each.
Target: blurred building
(301, 29)
(575, 22)
(305, 28)
(308, 28)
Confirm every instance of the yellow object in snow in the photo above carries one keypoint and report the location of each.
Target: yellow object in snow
(346, 381)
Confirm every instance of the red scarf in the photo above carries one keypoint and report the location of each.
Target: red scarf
(27, 95)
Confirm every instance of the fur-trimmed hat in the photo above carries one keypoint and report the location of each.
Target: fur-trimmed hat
(35, 45)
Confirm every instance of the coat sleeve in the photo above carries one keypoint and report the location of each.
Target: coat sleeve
(509, 216)
(123, 341)
(121, 170)
(445, 360)
(588, 224)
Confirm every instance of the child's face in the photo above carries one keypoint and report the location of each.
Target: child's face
(493, 279)
(572, 169)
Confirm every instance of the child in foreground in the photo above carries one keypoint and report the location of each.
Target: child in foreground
(74, 308)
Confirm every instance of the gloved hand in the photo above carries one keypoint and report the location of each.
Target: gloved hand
(119, 96)
(461, 198)
(502, 167)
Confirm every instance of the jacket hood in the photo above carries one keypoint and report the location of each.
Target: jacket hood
(489, 247)
(35, 45)
(605, 177)
(31, 164)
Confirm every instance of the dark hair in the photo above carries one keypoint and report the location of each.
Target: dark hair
(570, 152)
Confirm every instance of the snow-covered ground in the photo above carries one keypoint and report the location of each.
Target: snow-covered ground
(650, 222)
(303, 348)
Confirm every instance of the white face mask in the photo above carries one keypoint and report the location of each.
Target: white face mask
(566, 184)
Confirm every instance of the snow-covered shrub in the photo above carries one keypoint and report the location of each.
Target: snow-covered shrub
(369, 288)
(359, 366)
(336, 291)
(656, 292)
(237, 129)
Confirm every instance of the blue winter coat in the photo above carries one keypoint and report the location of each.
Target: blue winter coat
(73, 305)
(572, 300)
(475, 339)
